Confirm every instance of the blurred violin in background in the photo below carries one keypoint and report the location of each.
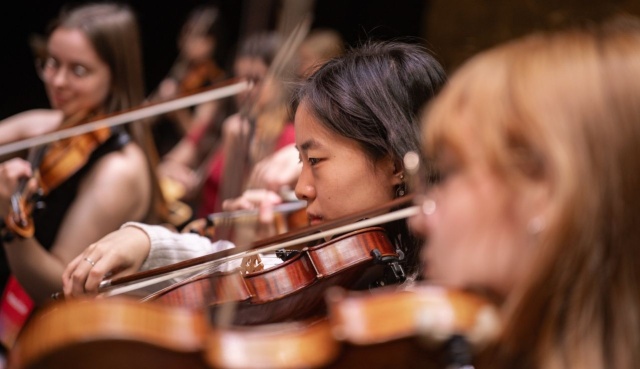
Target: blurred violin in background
(425, 326)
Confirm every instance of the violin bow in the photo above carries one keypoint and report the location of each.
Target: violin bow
(225, 89)
(240, 157)
(342, 225)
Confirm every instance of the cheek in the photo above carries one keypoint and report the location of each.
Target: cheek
(96, 93)
(454, 232)
(472, 241)
(352, 193)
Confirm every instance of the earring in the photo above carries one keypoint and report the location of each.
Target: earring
(401, 190)
(402, 187)
(536, 225)
(428, 207)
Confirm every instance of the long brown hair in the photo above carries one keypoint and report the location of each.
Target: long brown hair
(563, 108)
(112, 29)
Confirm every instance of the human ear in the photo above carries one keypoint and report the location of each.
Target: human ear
(398, 176)
(535, 207)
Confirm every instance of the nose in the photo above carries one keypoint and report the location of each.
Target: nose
(57, 77)
(305, 190)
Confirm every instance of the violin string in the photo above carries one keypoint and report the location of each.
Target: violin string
(139, 284)
(130, 116)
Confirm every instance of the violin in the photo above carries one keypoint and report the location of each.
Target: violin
(200, 74)
(111, 333)
(422, 326)
(425, 326)
(294, 288)
(368, 218)
(385, 328)
(53, 164)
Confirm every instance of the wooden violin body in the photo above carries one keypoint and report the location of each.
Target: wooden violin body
(293, 289)
(383, 328)
(419, 327)
(111, 333)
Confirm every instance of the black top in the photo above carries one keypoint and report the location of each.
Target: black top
(47, 219)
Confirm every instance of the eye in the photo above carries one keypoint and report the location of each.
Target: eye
(79, 71)
(313, 161)
(49, 63)
(439, 174)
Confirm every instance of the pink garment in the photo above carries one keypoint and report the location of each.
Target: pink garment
(212, 184)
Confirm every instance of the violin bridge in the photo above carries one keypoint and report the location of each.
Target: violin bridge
(251, 264)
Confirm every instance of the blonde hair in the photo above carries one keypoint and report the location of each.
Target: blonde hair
(563, 108)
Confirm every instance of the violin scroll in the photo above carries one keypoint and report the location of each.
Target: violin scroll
(19, 220)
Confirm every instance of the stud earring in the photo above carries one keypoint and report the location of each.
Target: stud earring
(428, 207)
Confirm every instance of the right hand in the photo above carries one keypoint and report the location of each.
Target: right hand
(262, 200)
(279, 170)
(179, 173)
(119, 253)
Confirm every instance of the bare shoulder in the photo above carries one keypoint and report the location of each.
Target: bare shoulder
(126, 165)
(121, 173)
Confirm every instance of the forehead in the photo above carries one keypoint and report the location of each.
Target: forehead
(312, 134)
(73, 44)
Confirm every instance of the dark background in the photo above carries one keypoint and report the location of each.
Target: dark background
(160, 21)
(453, 29)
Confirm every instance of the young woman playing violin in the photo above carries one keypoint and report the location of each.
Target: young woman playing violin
(537, 200)
(195, 68)
(92, 67)
(265, 104)
(378, 88)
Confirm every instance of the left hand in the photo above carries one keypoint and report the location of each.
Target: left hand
(11, 171)
(262, 200)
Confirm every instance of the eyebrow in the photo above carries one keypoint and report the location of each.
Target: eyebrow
(309, 144)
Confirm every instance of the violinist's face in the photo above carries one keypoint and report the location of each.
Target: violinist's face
(197, 47)
(337, 178)
(252, 69)
(474, 226)
(76, 79)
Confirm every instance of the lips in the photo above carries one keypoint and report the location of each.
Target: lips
(314, 219)
(58, 101)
